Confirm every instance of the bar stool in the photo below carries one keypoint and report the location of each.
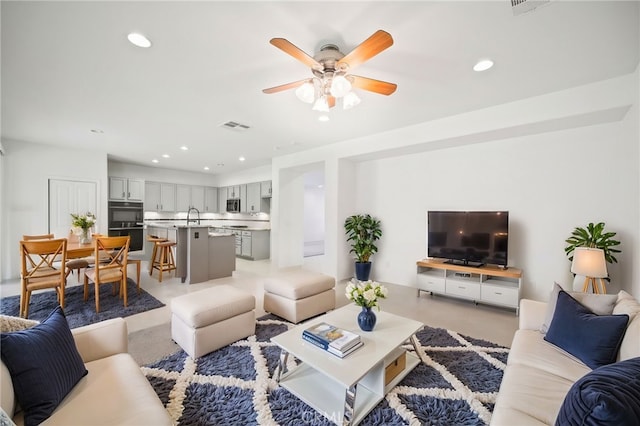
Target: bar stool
(153, 239)
(165, 262)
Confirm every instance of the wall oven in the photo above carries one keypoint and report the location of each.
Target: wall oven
(125, 218)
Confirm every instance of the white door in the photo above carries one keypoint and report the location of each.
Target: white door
(66, 197)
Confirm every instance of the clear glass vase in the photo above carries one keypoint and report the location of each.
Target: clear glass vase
(84, 237)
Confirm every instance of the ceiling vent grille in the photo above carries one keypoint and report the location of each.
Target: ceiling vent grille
(234, 125)
(523, 6)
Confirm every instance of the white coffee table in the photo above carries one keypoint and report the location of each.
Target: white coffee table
(346, 390)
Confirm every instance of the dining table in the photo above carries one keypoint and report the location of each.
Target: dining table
(77, 250)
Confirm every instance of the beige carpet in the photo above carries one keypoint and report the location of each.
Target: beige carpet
(151, 344)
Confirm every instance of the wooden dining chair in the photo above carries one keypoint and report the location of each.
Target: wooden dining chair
(37, 237)
(40, 269)
(108, 271)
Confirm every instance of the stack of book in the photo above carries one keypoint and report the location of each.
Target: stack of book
(334, 340)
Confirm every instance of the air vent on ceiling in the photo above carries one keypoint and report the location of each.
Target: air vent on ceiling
(233, 125)
(523, 6)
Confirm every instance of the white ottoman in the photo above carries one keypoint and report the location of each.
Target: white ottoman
(206, 320)
(297, 295)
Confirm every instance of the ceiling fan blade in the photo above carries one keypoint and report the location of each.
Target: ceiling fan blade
(331, 101)
(379, 41)
(377, 86)
(283, 87)
(287, 47)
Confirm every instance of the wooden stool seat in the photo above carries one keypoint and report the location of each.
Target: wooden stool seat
(153, 239)
(165, 261)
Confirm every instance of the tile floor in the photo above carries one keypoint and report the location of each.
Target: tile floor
(480, 321)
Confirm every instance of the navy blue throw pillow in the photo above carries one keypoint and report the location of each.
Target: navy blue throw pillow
(44, 364)
(608, 395)
(593, 339)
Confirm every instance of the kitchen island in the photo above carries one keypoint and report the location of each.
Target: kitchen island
(200, 255)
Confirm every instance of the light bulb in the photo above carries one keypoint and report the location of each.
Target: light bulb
(340, 86)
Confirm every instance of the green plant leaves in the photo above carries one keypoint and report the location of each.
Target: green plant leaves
(362, 231)
(593, 236)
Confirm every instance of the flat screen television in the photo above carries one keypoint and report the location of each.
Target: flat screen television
(473, 238)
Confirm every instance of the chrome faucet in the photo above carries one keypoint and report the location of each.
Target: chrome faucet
(193, 220)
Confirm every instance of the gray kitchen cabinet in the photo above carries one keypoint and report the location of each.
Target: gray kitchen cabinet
(160, 197)
(265, 189)
(183, 198)
(123, 189)
(253, 245)
(253, 198)
(211, 200)
(198, 198)
(233, 192)
(243, 198)
(222, 200)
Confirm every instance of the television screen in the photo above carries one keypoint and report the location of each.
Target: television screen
(470, 238)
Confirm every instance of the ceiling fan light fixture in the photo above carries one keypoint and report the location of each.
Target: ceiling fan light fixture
(340, 86)
(306, 92)
(350, 100)
(321, 104)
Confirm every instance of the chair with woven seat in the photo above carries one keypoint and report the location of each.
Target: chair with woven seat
(39, 270)
(165, 261)
(154, 239)
(108, 271)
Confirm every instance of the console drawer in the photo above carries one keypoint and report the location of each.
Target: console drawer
(499, 294)
(466, 289)
(428, 282)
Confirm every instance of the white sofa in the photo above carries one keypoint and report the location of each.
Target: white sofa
(114, 392)
(539, 374)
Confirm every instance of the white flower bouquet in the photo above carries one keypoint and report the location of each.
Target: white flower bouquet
(366, 293)
(83, 221)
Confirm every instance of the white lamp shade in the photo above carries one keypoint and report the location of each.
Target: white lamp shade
(340, 86)
(306, 92)
(350, 100)
(321, 104)
(589, 262)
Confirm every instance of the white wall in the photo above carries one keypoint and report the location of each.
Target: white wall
(27, 169)
(555, 162)
(549, 183)
(158, 174)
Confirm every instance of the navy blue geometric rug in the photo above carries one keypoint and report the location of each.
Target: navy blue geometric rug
(455, 384)
(79, 312)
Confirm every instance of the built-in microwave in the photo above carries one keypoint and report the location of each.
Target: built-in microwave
(233, 206)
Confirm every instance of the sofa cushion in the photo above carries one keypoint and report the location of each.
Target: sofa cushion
(529, 348)
(608, 395)
(599, 304)
(44, 365)
(594, 339)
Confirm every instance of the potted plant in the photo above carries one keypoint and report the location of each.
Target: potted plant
(593, 236)
(362, 231)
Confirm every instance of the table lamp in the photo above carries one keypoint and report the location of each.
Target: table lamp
(590, 263)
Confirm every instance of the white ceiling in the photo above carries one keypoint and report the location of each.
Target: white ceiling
(67, 68)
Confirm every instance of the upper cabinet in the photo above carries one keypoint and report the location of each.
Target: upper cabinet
(265, 189)
(123, 189)
(233, 192)
(253, 198)
(222, 200)
(160, 197)
(211, 200)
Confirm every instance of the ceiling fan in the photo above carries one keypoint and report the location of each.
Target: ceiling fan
(331, 69)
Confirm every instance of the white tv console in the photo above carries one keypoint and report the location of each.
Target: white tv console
(485, 284)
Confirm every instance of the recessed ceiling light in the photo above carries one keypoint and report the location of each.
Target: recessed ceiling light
(184, 148)
(206, 167)
(483, 65)
(241, 158)
(165, 156)
(154, 160)
(139, 40)
(323, 118)
(97, 131)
